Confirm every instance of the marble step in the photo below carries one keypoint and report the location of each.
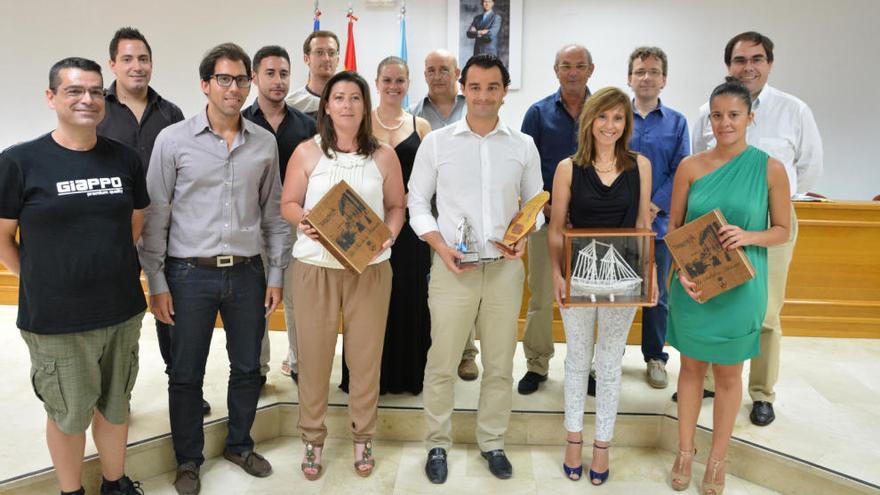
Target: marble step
(643, 450)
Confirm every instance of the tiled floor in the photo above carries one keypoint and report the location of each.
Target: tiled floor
(399, 470)
(828, 406)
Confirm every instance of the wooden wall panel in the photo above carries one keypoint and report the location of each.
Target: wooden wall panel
(833, 284)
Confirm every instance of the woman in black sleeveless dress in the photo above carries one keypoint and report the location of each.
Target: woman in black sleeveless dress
(408, 331)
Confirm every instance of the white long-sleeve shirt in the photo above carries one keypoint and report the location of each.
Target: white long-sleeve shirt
(480, 178)
(784, 128)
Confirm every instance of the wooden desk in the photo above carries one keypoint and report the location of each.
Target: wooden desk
(833, 283)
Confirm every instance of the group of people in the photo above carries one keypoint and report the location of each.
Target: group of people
(213, 208)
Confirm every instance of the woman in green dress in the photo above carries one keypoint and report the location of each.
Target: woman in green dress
(748, 187)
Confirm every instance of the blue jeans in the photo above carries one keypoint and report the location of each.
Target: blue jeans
(654, 319)
(198, 293)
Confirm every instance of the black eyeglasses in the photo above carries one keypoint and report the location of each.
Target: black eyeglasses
(225, 80)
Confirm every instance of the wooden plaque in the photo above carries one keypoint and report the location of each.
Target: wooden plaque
(347, 227)
(696, 250)
(525, 219)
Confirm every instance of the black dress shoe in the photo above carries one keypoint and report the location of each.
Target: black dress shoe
(707, 394)
(206, 408)
(762, 413)
(435, 467)
(498, 464)
(529, 382)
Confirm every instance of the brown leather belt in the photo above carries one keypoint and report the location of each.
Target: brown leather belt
(217, 261)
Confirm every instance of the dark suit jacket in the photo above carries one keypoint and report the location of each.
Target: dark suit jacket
(487, 43)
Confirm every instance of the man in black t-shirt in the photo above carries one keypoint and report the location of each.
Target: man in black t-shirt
(78, 202)
(134, 115)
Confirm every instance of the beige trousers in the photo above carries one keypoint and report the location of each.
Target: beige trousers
(538, 337)
(321, 294)
(489, 297)
(265, 350)
(764, 370)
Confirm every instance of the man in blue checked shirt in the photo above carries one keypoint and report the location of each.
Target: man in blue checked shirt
(661, 134)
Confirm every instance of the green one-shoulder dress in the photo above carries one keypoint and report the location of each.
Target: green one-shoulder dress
(727, 328)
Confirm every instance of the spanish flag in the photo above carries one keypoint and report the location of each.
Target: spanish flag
(350, 57)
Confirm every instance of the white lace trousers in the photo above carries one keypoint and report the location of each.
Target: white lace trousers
(614, 325)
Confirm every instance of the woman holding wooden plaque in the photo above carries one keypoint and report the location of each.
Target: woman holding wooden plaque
(746, 185)
(604, 185)
(344, 149)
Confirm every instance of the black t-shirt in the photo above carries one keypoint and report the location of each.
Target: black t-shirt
(79, 266)
(295, 128)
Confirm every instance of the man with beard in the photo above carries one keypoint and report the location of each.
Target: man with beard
(290, 127)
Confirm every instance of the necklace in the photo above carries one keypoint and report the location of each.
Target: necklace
(606, 170)
(389, 128)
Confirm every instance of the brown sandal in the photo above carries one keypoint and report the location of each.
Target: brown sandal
(311, 464)
(365, 460)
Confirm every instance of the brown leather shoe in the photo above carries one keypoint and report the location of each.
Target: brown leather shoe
(467, 369)
(187, 480)
(253, 463)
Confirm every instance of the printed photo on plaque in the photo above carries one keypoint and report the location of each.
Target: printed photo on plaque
(347, 227)
(696, 249)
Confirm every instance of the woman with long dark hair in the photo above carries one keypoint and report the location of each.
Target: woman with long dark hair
(344, 149)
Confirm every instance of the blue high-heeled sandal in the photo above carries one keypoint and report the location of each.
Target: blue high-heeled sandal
(571, 471)
(600, 477)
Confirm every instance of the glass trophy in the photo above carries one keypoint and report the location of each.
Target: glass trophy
(464, 243)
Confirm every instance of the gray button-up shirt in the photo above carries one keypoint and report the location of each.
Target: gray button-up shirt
(426, 110)
(209, 201)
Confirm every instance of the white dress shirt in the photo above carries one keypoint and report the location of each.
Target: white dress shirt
(480, 178)
(784, 128)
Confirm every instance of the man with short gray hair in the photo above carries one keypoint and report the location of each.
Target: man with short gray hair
(553, 124)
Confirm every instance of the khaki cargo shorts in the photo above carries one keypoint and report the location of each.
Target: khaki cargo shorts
(75, 373)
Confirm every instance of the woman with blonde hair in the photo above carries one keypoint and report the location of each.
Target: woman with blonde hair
(604, 185)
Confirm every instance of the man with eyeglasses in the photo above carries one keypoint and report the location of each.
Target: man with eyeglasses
(443, 105)
(77, 199)
(321, 55)
(661, 134)
(553, 123)
(218, 172)
(783, 127)
(135, 113)
(290, 127)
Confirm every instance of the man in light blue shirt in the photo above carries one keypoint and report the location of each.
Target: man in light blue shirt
(661, 134)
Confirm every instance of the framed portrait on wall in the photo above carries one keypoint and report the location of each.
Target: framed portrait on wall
(487, 26)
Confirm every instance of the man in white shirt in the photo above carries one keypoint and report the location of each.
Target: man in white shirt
(321, 55)
(784, 128)
(479, 169)
(443, 106)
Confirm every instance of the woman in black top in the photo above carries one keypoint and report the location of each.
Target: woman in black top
(604, 185)
(408, 330)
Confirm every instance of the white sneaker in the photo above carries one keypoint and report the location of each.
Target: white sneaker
(656, 372)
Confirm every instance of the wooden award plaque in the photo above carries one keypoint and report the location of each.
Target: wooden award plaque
(347, 227)
(696, 250)
(525, 219)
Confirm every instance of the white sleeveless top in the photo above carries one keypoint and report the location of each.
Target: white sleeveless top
(362, 174)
